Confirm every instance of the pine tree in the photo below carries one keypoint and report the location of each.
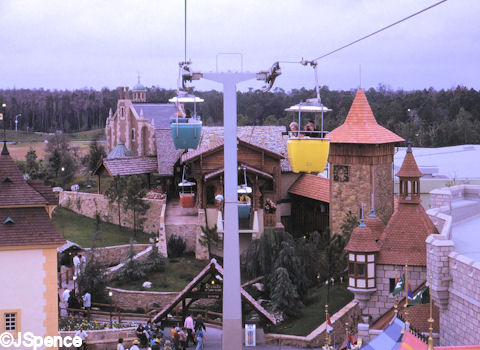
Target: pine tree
(115, 194)
(284, 293)
(134, 194)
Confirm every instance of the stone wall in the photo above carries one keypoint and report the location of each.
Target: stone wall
(187, 231)
(350, 314)
(114, 255)
(89, 204)
(131, 299)
(105, 338)
(382, 300)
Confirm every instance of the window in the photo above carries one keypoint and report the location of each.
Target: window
(360, 270)
(392, 284)
(10, 321)
(351, 268)
(122, 112)
(133, 134)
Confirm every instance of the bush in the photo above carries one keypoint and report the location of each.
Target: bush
(93, 280)
(176, 246)
(133, 270)
(155, 261)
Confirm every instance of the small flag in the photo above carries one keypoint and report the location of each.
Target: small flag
(329, 324)
(399, 284)
(417, 299)
(350, 342)
(410, 293)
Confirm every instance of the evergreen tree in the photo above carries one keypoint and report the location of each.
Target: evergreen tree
(209, 237)
(133, 270)
(155, 261)
(115, 194)
(134, 194)
(95, 155)
(284, 293)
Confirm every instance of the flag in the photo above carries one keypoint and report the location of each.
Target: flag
(329, 324)
(350, 342)
(410, 293)
(399, 285)
(417, 299)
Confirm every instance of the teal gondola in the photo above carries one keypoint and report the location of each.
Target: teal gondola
(186, 129)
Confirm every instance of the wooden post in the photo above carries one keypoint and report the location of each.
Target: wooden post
(98, 186)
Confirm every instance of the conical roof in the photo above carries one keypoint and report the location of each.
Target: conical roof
(363, 239)
(120, 151)
(375, 224)
(361, 127)
(409, 167)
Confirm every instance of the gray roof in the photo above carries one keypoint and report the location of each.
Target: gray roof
(159, 113)
(120, 151)
(167, 155)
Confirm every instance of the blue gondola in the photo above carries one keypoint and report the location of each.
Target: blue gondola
(186, 129)
(244, 192)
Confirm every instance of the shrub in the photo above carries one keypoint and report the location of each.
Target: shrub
(176, 246)
(155, 261)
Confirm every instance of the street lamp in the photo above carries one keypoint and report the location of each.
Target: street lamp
(74, 279)
(16, 121)
(110, 293)
(4, 117)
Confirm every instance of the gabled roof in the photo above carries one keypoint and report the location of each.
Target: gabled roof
(403, 240)
(361, 127)
(311, 186)
(265, 137)
(248, 168)
(31, 226)
(363, 240)
(45, 190)
(14, 190)
(209, 149)
(215, 267)
(128, 166)
(158, 113)
(167, 155)
(409, 166)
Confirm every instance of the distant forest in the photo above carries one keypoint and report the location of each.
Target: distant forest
(428, 118)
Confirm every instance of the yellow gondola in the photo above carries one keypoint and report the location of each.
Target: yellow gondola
(308, 150)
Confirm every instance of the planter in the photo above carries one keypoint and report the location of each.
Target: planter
(270, 219)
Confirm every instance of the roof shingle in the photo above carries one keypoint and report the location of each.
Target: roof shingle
(361, 127)
(129, 165)
(363, 239)
(311, 186)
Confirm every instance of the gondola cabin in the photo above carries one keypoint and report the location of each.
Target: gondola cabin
(186, 129)
(244, 202)
(308, 150)
(187, 194)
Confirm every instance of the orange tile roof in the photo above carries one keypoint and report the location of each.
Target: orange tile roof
(409, 166)
(418, 316)
(403, 240)
(361, 127)
(311, 186)
(375, 224)
(363, 239)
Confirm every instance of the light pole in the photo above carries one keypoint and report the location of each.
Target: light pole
(4, 118)
(74, 285)
(110, 294)
(16, 121)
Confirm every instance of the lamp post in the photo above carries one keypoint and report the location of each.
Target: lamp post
(16, 121)
(4, 118)
(110, 294)
(74, 285)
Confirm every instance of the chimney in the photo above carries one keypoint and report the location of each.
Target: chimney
(213, 140)
(121, 92)
(127, 97)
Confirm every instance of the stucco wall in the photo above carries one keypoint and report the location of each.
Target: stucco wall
(22, 278)
(89, 204)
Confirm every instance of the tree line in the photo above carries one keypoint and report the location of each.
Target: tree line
(429, 117)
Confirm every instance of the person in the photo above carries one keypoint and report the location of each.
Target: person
(156, 344)
(141, 335)
(83, 263)
(66, 295)
(136, 342)
(87, 301)
(83, 335)
(310, 126)
(183, 339)
(294, 129)
(188, 114)
(120, 344)
(149, 329)
(73, 302)
(199, 323)
(168, 345)
(189, 326)
(76, 264)
(176, 337)
(201, 338)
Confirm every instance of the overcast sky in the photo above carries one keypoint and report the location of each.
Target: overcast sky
(67, 44)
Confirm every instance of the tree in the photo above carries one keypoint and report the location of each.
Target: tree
(134, 194)
(95, 155)
(115, 194)
(288, 259)
(284, 293)
(133, 270)
(59, 158)
(209, 237)
(155, 261)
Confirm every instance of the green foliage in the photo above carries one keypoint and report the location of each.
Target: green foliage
(209, 237)
(115, 194)
(133, 270)
(133, 201)
(73, 324)
(350, 221)
(60, 159)
(155, 261)
(94, 281)
(242, 120)
(95, 155)
(287, 258)
(176, 246)
(284, 295)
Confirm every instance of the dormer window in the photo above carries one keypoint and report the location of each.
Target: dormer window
(8, 221)
(7, 180)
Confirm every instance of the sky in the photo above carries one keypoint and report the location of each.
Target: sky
(67, 44)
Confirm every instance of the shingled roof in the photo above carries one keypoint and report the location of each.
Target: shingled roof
(361, 127)
(14, 190)
(128, 166)
(375, 224)
(167, 155)
(409, 166)
(45, 190)
(362, 240)
(311, 186)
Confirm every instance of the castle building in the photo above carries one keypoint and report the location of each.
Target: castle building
(361, 160)
(377, 257)
(28, 254)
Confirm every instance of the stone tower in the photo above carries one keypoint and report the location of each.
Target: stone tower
(139, 93)
(361, 163)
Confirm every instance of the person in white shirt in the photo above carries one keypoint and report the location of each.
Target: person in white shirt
(120, 344)
(189, 326)
(76, 265)
(135, 345)
(87, 300)
(83, 335)
(66, 295)
(83, 263)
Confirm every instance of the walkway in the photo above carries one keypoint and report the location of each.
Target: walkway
(176, 215)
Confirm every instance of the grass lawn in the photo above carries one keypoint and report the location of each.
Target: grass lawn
(313, 315)
(23, 136)
(80, 229)
(178, 273)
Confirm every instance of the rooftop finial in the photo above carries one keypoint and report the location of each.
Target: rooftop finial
(362, 220)
(138, 76)
(409, 146)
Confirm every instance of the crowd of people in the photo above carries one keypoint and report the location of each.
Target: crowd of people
(148, 337)
(72, 301)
